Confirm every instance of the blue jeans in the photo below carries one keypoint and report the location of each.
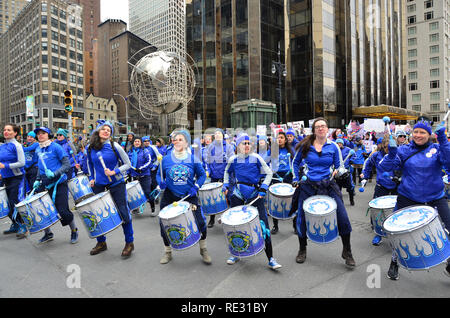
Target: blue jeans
(119, 195)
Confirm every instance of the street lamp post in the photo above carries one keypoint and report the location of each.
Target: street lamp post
(277, 66)
(125, 99)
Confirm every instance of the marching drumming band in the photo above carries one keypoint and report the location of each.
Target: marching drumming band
(243, 181)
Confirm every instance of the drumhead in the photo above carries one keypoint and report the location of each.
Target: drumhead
(172, 211)
(33, 198)
(132, 184)
(91, 199)
(282, 189)
(239, 215)
(409, 219)
(384, 202)
(210, 186)
(319, 205)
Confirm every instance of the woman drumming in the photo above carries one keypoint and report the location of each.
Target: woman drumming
(12, 163)
(420, 162)
(245, 170)
(320, 156)
(183, 175)
(110, 177)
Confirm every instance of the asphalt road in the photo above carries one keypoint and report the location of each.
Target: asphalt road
(61, 270)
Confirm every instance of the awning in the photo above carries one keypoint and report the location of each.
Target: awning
(394, 113)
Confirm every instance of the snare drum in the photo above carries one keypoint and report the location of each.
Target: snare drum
(417, 237)
(212, 199)
(179, 225)
(135, 195)
(279, 200)
(4, 203)
(243, 232)
(38, 212)
(321, 219)
(99, 214)
(447, 186)
(380, 209)
(80, 188)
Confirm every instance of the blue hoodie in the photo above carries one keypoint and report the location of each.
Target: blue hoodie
(140, 159)
(30, 155)
(13, 157)
(421, 173)
(55, 159)
(374, 161)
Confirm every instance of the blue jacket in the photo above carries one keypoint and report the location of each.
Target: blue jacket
(67, 148)
(140, 159)
(283, 162)
(216, 157)
(181, 176)
(55, 159)
(30, 155)
(96, 170)
(319, 166)
(421, 173)
(374, 161)
(154, 152)
(162, 150)
(13, 157)
(345, 152)
(246, 171)
(82, 160)
(359, 158)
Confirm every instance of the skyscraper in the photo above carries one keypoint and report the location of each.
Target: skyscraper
(162, 23)
(8, 11)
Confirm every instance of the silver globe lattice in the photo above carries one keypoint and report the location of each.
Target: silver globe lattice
(162, 81)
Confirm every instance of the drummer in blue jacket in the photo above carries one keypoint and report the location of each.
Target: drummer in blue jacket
(420, 162)
(216, 157)
(182, 175)
(385, 184)
(53, 163)
(69, 148)
(154, 163)
(140, 166)
(247, 169)
(12, 162)
(109, 175)
(320, 156)
(346, 180)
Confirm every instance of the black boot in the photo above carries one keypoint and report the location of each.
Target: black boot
(211, 221)
(347, 252)
(275, 227)
(352, 198)
(301, 256)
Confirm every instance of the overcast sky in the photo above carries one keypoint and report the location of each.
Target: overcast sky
(114, 9)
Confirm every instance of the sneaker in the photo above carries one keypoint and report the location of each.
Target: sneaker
(14, 228)
(211, 224)
(376, 240)
(74, 236)
(393, 271)
(232, 260)
(273, 264)
(274, 230)
(46, 238)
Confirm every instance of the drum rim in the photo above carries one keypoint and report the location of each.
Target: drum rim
(396, 196)
(315, 214)
(415, 227)
(173, 217)
(36, 196)
(132, 183)
(229, 210)
(219, 185)
(79, 205)
(282, 195)
(78, 177)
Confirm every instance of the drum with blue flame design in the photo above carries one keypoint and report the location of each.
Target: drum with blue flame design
(380, 209)
(80, 188)
(179, 225)
(38, 212)
(4, 203)
(243, 231)
(212, 198)
(418, 238)
(99, 214)
(279, 200)
(135, 195)
(321, 219)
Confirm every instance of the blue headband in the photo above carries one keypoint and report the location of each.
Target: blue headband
(242, 138)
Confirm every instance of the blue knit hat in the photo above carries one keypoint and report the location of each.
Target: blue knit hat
(242, 137)
(32, 134)
(290, 131)
(185, 133)
(339, 140)
(424, 125)
(63, 132)
(102, 122)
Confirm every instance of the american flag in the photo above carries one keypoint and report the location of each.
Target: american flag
(392, 126)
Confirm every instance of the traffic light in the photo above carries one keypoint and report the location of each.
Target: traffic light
(68, 100)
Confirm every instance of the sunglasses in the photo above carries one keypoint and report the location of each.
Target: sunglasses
(246, 143)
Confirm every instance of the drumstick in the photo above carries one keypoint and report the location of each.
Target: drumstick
(363, 184)
(100, 157)
(248, 204)
(42, 160)
(159, 157)
(176, 202)
(446, 115)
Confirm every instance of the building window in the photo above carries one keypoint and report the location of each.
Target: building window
(412, 41)
(434, 37)
(435, 95)
(435, 107)
(412, 53)
(433, 26)
(428, 15)
(434, 49)
(412, 75)
(411, 8)
(412, 19)
(416, 97)
(434, 72)
(416, 108)
(413, 86)
(434, 60)
(412, 30)
(412, 64)
(428, 4)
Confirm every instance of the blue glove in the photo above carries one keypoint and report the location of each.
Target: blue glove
(36, 184)
(392, 142)
(440, 129)
(193, 191)
(49, 174)
(162, 185)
